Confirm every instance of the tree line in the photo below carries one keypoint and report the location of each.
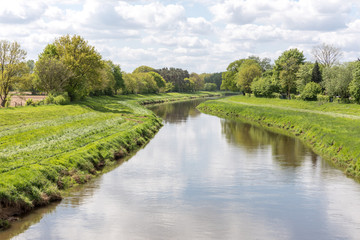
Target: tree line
(293, 77)
(71, 68)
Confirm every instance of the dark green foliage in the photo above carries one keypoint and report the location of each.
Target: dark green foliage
(175, 76)
(316, 74)
(214, 78)
(228, 77)
(311, 91)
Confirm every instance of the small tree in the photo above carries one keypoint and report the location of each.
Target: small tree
(12, 67)
(247, 72)
(316, 74)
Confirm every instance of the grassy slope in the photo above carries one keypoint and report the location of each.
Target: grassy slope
(45, 149)
(331, 129)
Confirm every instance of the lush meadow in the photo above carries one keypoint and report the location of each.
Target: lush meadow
(331, 129)
(47, 148)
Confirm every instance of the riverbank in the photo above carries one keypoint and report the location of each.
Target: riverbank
(47, 149)
(332, 130)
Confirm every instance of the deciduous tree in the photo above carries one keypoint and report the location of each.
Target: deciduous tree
(327, 55)
(12, 67)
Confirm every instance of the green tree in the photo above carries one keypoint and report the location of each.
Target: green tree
(316, 74)
(214, 78)
(354, 86)
(198, 81)
(52, 76)
(303, 76)
(144, 69)
(12, 67)
(82, 60)
(337, 79)
(210, 87)
(228, 77)
(264, 87)
(287, 66)
(264, 63)
(247, 72)
(311, 91)
(160, 82)
(117, 74)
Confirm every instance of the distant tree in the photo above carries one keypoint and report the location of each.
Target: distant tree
(327, 55)
(247, 72)
(264, 63)
(144, 69)
(210, 87)
(316, 74)
(214, 78)
(354, 86)
(175, 76)
(287, 66)
(52, 76)
(117, 74)
(198, 81)
(12, 67)
(303, 76)
(336, 80)
(228, 77)
(160, 82)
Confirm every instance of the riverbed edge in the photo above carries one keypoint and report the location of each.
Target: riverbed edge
(135, 139)
(336, 153)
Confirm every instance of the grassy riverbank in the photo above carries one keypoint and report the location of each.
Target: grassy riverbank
(331, 129)
(46, 149)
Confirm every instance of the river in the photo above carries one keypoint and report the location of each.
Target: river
(203, 177)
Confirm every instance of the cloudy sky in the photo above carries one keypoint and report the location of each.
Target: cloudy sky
(199, 35)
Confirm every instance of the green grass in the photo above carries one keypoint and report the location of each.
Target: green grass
(45, 149)
(331, 129)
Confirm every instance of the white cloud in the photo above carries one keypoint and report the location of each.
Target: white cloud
(200, 35)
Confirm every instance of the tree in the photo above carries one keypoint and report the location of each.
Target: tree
(214, 78)
(354, 87)
(52, 76)
(12, 67)
(160, 82)
(287, 66)
(118, 77)
(198, 81)
(310, 92)
(210, 87)
(264, 87)
(303, 76)
(81, 59)
(337, 79)
(144, 69)
(316, 74)
(175, 76)
(228, 77)
(264, 63)
(248, 71)
(327, 55)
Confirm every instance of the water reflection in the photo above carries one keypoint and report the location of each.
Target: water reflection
(206, 178)
(287, 151)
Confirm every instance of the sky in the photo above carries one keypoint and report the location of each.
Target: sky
(199, 36)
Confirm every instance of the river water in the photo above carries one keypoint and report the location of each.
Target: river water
(203, 177)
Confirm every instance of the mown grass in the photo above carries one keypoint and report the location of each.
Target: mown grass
(45, 149)
(334, 135)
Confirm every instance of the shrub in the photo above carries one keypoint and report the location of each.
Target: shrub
(30, 102)
(323, 98)
(210, 87)
(62, 100)
(49, 99)
(311, 91)
(8, 101)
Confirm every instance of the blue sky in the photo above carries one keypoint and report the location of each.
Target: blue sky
(200, 36)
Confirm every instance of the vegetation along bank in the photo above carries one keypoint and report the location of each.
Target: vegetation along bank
(45, 149)
(331, 129)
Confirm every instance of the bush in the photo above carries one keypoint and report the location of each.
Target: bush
(323, 98)
(49, 99)
(61, 100)
(30, 102)
(310, 91)
(276, 95)
(8, 101)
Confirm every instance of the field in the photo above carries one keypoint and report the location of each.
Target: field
(331, 129)
(45, 149)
